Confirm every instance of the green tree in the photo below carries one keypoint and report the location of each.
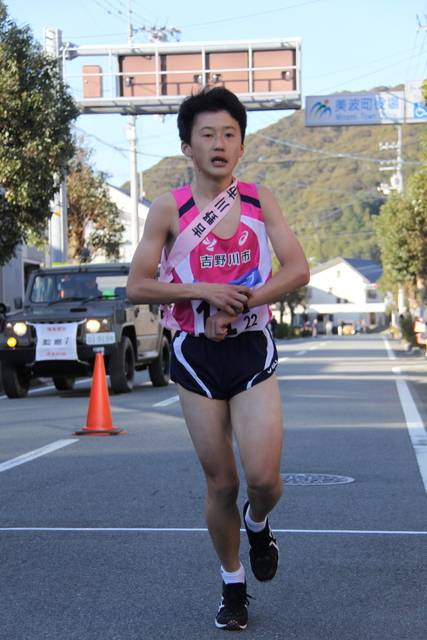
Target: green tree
(402, 234)
(401, 231)
(35, 138)
(93, 219)
(292, 299)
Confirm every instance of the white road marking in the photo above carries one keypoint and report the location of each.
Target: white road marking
(414, 423)
(32, 455)
(389, 350)
(415, 426)
(300, 353)
(204, 530)
(165, 403)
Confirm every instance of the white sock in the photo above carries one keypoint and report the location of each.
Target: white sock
(256, 527)
(236, 576)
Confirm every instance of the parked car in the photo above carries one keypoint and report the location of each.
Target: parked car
(68, 315)
(348, 329)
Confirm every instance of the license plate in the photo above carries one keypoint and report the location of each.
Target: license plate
(101, 338)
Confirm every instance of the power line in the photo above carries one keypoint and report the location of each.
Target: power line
(328, 153)
(328, 215)
(123, 152)
(337, 235)
(252, 15)
(364, 75)
(309, 186)
(358, 66)
(118, 15)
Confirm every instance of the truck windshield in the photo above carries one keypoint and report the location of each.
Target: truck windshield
(52, 287)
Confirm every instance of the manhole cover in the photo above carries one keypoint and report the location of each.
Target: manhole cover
(313, 479)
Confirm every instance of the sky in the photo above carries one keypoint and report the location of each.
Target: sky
(346, 46)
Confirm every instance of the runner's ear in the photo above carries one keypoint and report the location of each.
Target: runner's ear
(186, 149)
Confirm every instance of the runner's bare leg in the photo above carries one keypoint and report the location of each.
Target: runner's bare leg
(209, 425)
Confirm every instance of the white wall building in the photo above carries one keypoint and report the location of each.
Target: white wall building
(346, 289)
(122, 199)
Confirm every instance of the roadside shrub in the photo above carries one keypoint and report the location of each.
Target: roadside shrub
(283, 330)
(407, 329)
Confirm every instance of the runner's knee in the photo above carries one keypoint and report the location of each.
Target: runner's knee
(265, 486)
(224, 490)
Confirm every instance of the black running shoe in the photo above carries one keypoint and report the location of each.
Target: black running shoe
(233, 610)
(264, 552)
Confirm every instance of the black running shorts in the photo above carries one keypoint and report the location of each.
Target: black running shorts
(221, 370)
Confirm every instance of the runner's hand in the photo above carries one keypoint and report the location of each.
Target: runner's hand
(231, 298)
(217, 325)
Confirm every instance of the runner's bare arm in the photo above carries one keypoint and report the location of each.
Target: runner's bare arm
(294, 271)
(161, 227)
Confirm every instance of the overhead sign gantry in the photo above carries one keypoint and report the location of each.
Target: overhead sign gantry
(154, 78)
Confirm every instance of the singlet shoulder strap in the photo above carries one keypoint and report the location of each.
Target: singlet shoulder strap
(184, 199)
(249, 194)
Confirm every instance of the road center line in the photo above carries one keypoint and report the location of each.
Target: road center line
(31, 455)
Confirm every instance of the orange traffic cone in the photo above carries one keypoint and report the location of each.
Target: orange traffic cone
(99, 421)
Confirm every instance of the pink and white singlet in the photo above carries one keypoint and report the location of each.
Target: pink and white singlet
(243, 259)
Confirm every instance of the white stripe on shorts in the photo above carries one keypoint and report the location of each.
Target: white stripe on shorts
(268, 358)
(177, 345)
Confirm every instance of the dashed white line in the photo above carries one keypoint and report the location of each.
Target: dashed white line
(164, 403)
(31, 455)
(389, 350)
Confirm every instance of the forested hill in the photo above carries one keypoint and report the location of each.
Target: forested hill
(328, 200)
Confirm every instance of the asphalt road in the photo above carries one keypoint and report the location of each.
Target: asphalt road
(104, 537)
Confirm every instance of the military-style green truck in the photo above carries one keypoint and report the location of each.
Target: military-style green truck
(68, 315)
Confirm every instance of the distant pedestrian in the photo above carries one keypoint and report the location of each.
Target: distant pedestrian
(314, 328)
(273, 326)
(328, 327)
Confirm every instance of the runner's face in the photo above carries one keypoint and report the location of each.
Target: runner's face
(216, 143)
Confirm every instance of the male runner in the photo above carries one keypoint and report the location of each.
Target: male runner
(223, 356)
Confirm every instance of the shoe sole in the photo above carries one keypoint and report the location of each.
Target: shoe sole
(232, 625)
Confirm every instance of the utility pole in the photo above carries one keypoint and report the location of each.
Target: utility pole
(155, 35)
(396, 180)
(58, 224)
(396, 184)
(131, 136)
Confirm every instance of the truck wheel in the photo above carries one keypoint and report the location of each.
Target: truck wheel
(64, 383)
(159, 369)
(16, 380)
(122, 367)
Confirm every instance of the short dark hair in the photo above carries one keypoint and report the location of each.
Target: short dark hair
(209, 100)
